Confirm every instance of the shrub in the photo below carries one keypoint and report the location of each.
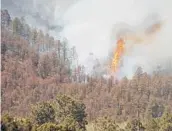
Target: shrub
(43, 112)
(105, 124)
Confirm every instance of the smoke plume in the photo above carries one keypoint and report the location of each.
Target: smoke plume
(91, 25)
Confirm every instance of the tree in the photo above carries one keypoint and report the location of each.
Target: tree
(138, 72)
(5, 18)
(3, 48)
(43, 112)
(157, 110)
(22, 26)
(165, 122)
(70, 124)
(69, 109)
(50, 44)
(44, 66)
(40, 41)
(24, 124)
(49, 127)
(27, 33)
(8, 123)
(65, 50)
(16, 26)
(105, 124)
(34, 35)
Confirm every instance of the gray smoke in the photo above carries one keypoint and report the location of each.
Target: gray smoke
(44, 14)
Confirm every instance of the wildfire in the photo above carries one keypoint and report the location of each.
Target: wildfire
(117, 55)
(139, 36)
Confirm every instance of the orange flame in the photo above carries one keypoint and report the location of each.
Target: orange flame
(117, 55)
(136, 38)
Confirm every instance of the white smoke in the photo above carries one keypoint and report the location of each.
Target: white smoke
(91, 23)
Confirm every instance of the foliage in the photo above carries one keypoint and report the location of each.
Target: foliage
(165, 122)
(72, 117)
(8, 123)
(49, 127)
(152, 125)
(16, 26)
(35, 68)
(135, 125)
(105, 124)
(43, 113)
(24, 124)
(71, 111)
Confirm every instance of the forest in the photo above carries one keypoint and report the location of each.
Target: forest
(41, 91)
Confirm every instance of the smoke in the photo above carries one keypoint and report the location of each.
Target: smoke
(91, 24)
(42, 14)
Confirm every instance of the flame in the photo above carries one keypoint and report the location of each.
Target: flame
(117, 55)
(138, 37)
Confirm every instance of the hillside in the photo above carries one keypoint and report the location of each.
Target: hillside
(36, 67)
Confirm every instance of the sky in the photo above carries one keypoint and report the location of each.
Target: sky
(89, 24)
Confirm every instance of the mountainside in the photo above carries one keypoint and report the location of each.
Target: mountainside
(35, 68)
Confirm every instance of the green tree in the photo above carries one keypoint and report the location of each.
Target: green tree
(43, 112)
(16, 26)
(8, 123)
(48, 127)
(165, 122)
(24, 124)
(70, 124)
(71, 110)
(105, 124)
(34, 35)
(22, 26)
(27, 32)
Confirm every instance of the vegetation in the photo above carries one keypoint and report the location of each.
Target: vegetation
(41, 91)
(105, 124)
(68, 116)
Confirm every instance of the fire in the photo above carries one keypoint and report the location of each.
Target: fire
(117, 55)
(140, 36)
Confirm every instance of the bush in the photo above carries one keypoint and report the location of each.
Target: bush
(165, 122)
(152, 125)
(24, 124)
(48, 127)
(71, 111)
(135, 125)
(8, 123)
(106, 124)
(43, 112)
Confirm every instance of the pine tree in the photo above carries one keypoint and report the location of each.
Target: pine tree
(16, 26)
